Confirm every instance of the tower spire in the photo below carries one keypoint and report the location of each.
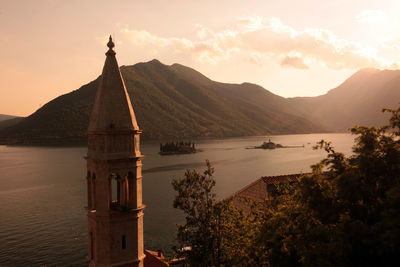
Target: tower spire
(110, 45)
(114, 174)
(112, 109)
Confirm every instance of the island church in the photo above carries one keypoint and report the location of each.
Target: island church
(114, 177)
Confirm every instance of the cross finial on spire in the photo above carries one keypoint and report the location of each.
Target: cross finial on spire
(110, 45)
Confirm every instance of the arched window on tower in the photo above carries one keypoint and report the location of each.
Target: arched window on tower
(93, 194)
(119, 191)
(116, 190)
(91, 246)
(115, 181)
(89, 190)
(123, 242)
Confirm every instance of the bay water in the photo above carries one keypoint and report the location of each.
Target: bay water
(43, 191)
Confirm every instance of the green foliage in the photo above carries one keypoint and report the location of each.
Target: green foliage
(170, 102)
(345, 213)
(348, 215)
(216, 232)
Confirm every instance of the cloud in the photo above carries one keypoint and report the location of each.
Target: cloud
(294, 62)
(372, 16)
(320, 45)
(206, 51)
(392, 44)
(202, 32)
(250, 23)
(268, 39)
(394, 66)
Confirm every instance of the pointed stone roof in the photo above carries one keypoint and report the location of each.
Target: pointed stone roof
(112, 109)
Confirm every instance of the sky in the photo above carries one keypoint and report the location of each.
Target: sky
(291, 48)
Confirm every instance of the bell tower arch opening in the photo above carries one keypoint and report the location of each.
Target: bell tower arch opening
(115, 181)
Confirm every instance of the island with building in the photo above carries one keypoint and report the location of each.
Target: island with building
(181, 147)
(272, 145)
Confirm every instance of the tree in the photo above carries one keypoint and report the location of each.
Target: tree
(346, 212)
(216, 232)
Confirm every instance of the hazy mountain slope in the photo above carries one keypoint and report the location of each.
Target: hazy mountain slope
(169, 102)
(63, 119)
(252, 100)
(10, 122)
(4, 117)
(357, 101)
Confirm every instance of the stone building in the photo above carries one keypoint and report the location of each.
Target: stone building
(114, 174)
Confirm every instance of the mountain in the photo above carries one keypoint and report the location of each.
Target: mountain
(4, 117)
(170, 102)
(177, 102)
(8, 120)
(357, 101)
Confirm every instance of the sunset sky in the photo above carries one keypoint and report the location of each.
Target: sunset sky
(292, 48)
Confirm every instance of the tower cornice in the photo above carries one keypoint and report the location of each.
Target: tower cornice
(113, 132)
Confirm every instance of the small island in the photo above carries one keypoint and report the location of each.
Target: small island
(173, 148)
(272, 145)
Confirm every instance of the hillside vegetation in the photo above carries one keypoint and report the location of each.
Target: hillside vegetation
(170, 102)
(177, 102)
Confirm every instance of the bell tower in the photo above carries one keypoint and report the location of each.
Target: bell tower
(114, 174)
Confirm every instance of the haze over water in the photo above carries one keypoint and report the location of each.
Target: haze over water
(43, 191)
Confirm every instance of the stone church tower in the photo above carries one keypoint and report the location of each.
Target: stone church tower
(114, 174)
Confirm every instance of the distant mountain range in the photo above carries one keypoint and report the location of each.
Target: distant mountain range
(177, 102)
(8, 120)
(357, 101)
(4, 117)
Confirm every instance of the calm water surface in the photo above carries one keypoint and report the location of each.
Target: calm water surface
(43, 191)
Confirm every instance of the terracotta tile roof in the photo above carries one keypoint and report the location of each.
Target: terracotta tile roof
(269, 180)
(154, 259)
(259, 190)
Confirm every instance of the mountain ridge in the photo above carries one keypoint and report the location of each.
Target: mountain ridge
(4, 117)
(178, 102)
(170, 102)
(357, 101)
